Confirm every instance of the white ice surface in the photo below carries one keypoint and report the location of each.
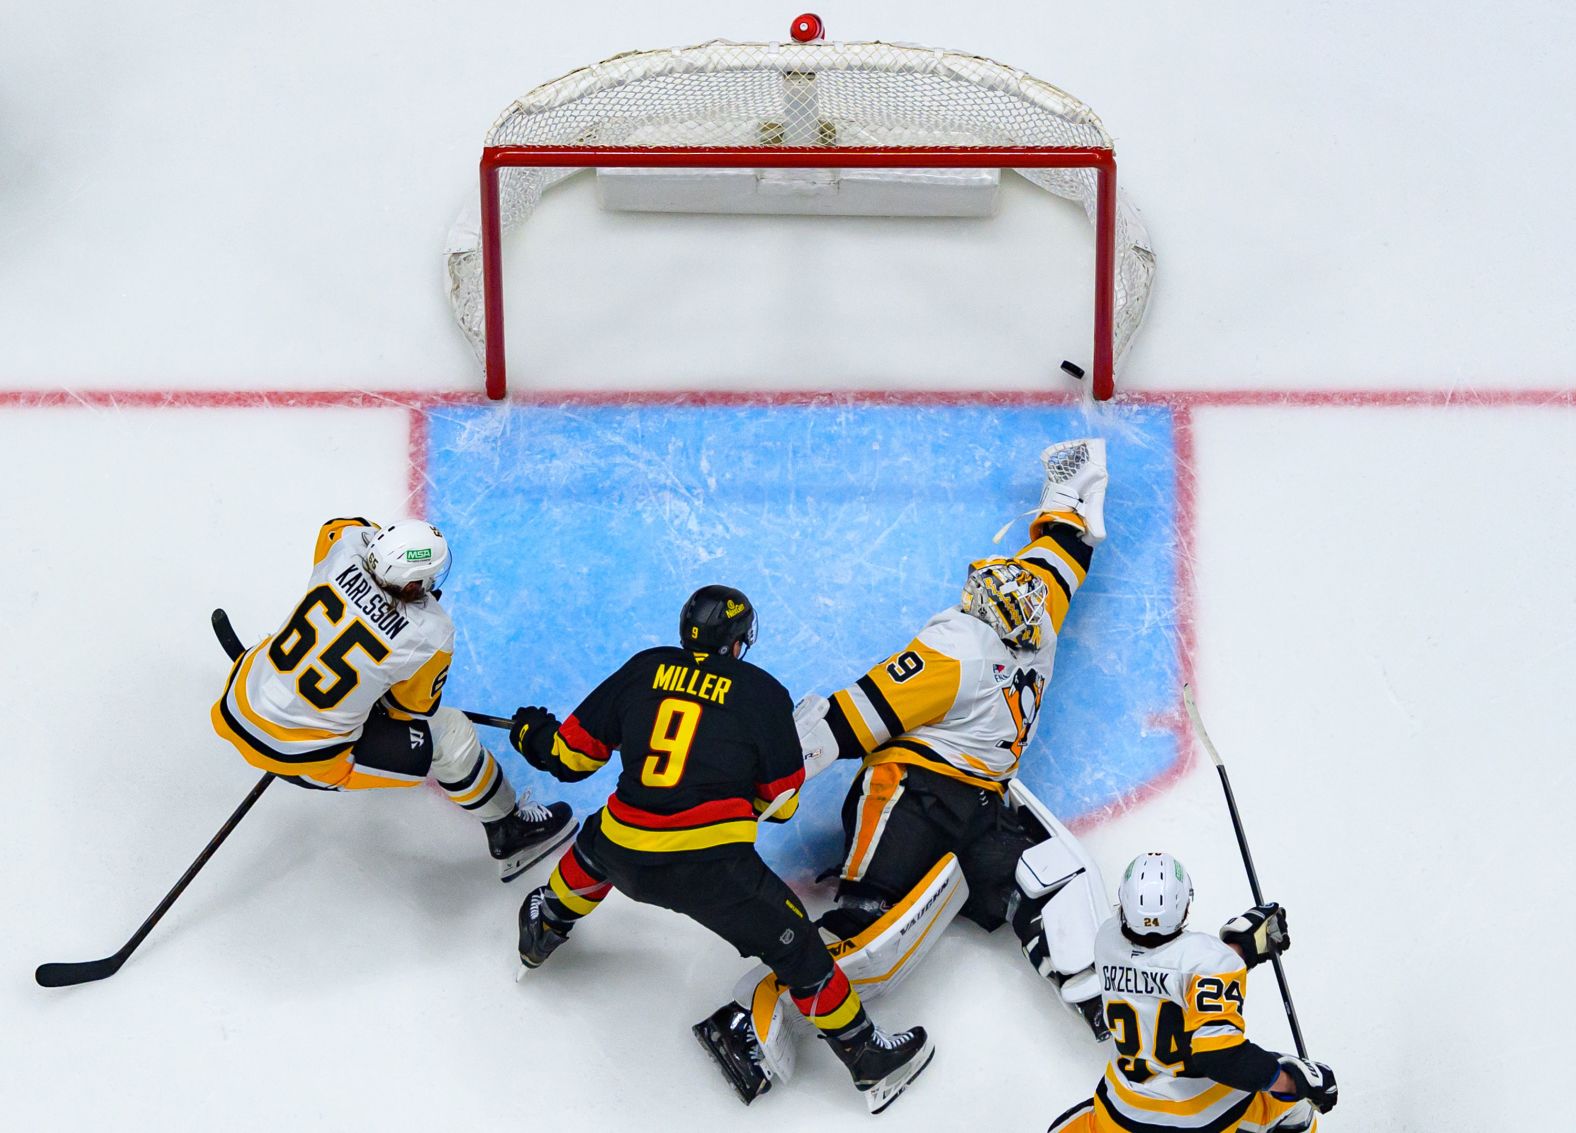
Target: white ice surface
(1343, 196)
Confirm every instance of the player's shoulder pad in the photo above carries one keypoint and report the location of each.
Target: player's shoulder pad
(763, 680)
(435, 626)
(959, 635)
(656, 655)
(1201, 953)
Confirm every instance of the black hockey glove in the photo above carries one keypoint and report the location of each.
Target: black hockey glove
(1312, 1080)
(531, 732)
(1258, 933)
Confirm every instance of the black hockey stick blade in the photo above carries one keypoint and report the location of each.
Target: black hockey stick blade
(229, 640)
(67, 975)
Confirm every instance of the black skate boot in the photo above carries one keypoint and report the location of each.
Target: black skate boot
(729, 1037)
(538, 938)
(528, 834)
(883, 1065)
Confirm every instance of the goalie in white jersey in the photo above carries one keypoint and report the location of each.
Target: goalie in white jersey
(937, 822)
(345, 694)
(940, 727)
(1174, 1000)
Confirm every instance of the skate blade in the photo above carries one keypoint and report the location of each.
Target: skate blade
(512, 867)
(884, 1093)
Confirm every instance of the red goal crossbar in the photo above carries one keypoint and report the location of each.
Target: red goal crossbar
(495, 159)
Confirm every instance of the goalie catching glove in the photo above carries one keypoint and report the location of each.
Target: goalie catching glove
(1312, 1080)
(1258, 934)
(1075, 481)
(531, 732)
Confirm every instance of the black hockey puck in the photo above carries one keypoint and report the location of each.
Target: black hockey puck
(1073, 368)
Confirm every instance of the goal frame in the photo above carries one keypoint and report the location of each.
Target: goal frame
(496, 159)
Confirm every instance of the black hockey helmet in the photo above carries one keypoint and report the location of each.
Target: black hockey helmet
(714, 618)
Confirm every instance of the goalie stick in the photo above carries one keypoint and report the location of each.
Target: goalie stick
(86, 971)
(1247, 859)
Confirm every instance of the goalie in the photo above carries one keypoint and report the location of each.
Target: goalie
(936, 822)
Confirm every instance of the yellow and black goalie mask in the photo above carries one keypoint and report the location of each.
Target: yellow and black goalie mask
(1009, 598)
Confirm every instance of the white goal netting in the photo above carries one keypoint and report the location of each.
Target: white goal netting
(830, 95)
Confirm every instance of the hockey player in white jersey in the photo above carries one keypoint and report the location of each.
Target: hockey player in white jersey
(940, 727)
(1174, 1001)
(345, 694)
(937, 823)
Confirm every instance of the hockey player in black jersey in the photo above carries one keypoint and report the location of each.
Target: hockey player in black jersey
(708, 747)
(937, 822)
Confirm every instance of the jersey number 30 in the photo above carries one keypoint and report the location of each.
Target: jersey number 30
(671, 737)
(297, 640)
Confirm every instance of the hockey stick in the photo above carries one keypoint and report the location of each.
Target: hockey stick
(228, 638)
(65, 975)
(1247, 859)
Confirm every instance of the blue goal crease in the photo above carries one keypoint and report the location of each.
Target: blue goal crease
(579, 531)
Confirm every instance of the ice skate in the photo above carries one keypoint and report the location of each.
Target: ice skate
(729, 1037)
(883, 1065)
(528, 834)
(538, 938)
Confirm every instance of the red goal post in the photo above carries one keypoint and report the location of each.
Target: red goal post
(861, 106)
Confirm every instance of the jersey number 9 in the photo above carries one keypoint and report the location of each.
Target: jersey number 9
(671, 737)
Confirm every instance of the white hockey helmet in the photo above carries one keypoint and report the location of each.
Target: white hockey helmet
(1155, 895)
(409, 558)
(1009, 598)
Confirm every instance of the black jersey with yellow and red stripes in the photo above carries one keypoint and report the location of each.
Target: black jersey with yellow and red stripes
(707, 743)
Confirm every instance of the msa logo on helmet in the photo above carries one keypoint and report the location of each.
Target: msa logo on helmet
(418, 555)
(734, 609)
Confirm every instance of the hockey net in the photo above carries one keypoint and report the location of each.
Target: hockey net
(821, 108)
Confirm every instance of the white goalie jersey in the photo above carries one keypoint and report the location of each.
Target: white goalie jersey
(297, 700)
(957, 700)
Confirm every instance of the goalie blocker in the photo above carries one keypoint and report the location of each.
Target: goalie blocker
(1056, 909)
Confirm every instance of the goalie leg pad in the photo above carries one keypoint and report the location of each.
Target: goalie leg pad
(875, 960)
(1059, 903)
(881, 955)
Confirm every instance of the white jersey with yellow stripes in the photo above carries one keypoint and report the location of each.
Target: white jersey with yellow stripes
(958, 700)
(1162, 1005)
(307, 689)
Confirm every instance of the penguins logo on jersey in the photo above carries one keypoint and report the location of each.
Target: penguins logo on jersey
(1023, 697)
